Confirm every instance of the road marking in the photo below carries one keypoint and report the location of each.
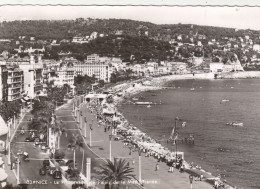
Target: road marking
(104, 159)
(36, 159)
(124, 157)
(97, 141)
(65, 116)
(72, 129)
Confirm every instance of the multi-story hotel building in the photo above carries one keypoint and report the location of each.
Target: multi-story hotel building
(33, 84)
(100, 71)
(3, 83)
(64, 75)
(15, 83)
(93, 58)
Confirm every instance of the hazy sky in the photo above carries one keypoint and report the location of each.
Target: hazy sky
(235, 17)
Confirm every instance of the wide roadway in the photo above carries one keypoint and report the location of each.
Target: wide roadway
(29, 171)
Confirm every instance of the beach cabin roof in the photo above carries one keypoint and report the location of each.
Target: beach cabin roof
(96, 96)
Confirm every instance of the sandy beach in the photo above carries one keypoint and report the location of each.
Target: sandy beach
(127, 90)
(122, 93)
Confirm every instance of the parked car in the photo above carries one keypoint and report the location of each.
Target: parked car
(78, 186)
(66, 162)
(36, 140)
(46, 164)
(28, 139)
(57, 175)
(42, 171)
(25, 156)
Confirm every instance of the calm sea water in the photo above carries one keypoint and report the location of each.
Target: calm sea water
(233, 152)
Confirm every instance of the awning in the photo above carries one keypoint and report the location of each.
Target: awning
(3, 127)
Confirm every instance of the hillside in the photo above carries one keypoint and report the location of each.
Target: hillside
(66, 29)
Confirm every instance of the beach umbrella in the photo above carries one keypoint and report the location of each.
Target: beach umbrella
(3, 175)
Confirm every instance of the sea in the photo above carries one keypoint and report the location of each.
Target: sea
(206, 106)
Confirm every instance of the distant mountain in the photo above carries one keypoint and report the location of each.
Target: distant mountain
(66, 29)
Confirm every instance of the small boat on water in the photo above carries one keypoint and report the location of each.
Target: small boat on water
(149, 106)
(236, 124)
(225, 100)
(143, 103)
(192, 89)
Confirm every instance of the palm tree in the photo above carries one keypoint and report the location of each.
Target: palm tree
(58, 129)
(75, 143)
(114, 173)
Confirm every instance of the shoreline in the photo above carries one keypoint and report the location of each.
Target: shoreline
(158, 83)
(133, 88)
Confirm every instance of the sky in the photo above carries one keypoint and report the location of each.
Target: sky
(234, 17)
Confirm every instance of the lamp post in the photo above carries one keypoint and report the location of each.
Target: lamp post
(85, 133)
(191, 179)
(110, 147)
(75, 111)
(88, 170)
(90, 136)
(9, 151)
(18, 170)
(81, 121)
(47, 135)
(140, 166)
(78, 114)
(175, 139)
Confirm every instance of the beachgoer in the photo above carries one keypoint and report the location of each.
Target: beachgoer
(201, 177)
(157, 167)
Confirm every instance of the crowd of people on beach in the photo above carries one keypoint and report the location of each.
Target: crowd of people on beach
(136, 140)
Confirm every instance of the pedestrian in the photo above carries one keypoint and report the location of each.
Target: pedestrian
(157, 167)
(133, 161)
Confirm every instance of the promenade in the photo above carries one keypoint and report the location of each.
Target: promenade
(151, 178)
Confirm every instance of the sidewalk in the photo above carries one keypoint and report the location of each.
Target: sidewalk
(152, 179)
(11, 179)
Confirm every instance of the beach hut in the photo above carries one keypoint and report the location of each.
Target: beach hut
(98, 97)
(3, 135)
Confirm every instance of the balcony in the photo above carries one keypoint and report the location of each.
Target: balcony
(12, 98)
(15, 76)
(15, 87)
(12, 93)
(10, 80)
